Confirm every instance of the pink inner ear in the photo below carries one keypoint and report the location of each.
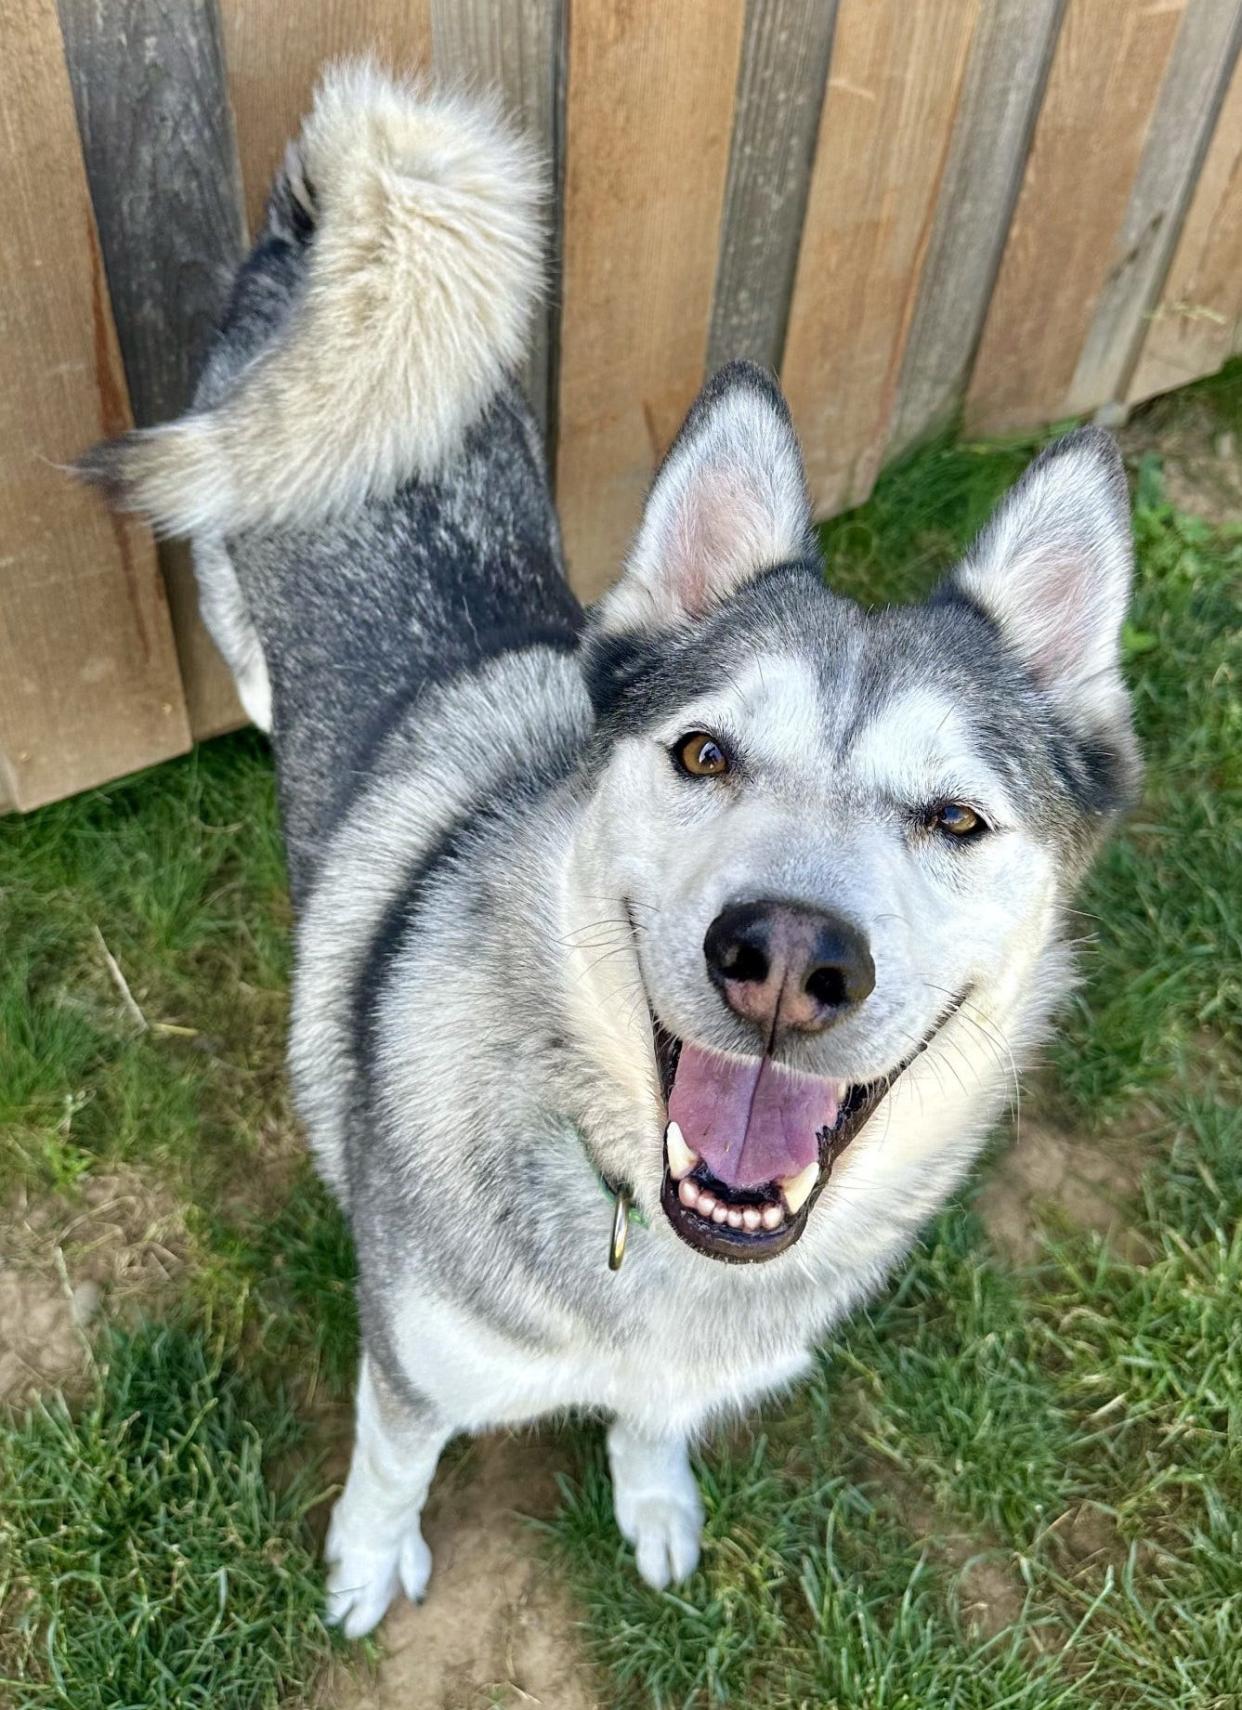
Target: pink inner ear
(714, 542)
(1059, 618)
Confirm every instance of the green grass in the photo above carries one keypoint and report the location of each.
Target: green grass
(1059, 1444)
(144, 1560)
(180, 874)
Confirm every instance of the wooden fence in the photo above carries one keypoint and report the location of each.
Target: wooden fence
(1019, 209)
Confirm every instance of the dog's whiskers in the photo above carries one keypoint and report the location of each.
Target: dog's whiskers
(997, 1044)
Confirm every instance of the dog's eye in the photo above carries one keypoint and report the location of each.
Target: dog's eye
(956, 820)
(701, 755)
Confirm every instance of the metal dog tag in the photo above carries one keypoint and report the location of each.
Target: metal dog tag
(620, 1230)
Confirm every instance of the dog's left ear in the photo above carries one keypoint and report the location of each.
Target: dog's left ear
(1053, 570)
(728, 502)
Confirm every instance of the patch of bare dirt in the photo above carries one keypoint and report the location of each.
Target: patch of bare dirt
(990, 1591)
(67, 1259)
(496, 1631)
(1089, 1537)
(1202, 462)
(1046, 1174)
(990, 1595)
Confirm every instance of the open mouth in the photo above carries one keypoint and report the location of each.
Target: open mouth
(750, 1144)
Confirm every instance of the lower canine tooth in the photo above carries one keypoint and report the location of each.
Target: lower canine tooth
(681, 1160)
(797, 1190)
(688, 1193)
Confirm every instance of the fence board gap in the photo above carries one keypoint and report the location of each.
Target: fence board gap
(157, 137)
(893, 89)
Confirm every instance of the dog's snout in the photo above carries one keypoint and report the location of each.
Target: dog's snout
(782, 965)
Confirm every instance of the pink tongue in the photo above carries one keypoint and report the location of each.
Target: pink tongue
(749, 1120)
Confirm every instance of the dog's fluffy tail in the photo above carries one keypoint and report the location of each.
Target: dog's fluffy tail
(419, 215)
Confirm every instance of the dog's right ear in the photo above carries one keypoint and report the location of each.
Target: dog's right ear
(728, 502)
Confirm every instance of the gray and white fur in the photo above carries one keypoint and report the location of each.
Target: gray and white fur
(502, 873)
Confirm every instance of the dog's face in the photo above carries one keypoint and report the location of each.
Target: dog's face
(835, 834)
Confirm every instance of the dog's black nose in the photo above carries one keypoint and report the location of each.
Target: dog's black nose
(782, 965)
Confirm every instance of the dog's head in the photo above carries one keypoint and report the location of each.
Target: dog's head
(837, 835)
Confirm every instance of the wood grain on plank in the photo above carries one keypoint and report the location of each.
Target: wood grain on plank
(649, 105)
(1102, 90)
(1197, 77)
(1197, 325)
(515, 49)
(1005, 77)
(157, 136)
(780, 93)
(893, 89)
(275, 52)
(89, 687)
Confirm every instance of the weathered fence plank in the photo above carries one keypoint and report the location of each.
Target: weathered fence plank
(157, 136)
(780, 92)
(1004, 84)
(893, 88)
(1202, 60)
(516, 49)
(649, 102)
(88, 672)
(276, 50)
(1197, 325)
(1106, 74)
(1028, 208)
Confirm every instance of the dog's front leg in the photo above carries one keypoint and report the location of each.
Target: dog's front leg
(656, 1501)
(375, 1542)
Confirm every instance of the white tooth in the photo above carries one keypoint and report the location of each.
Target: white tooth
(707, 1203)
(750, 1218)
(688, 1193)
(772, 1216)
(797, 1189)
(720, 1213)
(681, 1160)
(735, 1220)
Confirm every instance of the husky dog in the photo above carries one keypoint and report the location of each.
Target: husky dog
(728, 905)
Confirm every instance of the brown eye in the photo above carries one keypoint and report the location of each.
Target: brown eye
(956, 819)
(701, 755)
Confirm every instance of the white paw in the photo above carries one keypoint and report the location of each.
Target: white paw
(414, 1566)
(363, 1578)
(664, 1528)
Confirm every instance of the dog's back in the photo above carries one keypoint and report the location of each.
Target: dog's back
(360, 476)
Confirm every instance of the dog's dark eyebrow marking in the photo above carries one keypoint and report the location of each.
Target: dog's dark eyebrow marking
(637, 678)
(1092, 772)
